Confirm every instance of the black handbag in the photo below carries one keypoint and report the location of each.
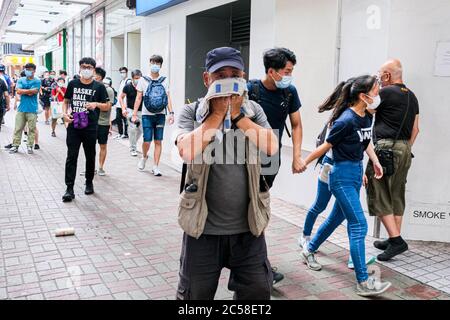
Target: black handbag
(386, 156)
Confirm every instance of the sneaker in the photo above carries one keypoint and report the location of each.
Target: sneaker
(310, 260)
(392, 251)
(133, 153)
(36, 147)
(156, 172)
(89, 188)
(53, 134)
(9, 146)
(371, 287)
(101, 172)
(13, 149)
(117, 137)
(303, 241)
(69, 195)
(369, 261)
(30, 150)
(277, 276)
(141, 164)
(381, 244)
(124, 136)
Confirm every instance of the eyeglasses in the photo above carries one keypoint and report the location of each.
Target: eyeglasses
(87, 68)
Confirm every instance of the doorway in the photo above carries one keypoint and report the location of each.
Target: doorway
(117, 59)
(134, 50)
(224, 26)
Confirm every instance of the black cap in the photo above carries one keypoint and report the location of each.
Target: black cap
(2, 67)
(224, 57)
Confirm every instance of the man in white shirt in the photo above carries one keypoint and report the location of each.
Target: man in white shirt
(120, 120)
(154, 92)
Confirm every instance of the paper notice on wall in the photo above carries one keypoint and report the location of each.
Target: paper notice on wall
(442, 64)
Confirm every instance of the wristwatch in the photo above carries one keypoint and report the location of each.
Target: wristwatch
(238, 118)
(172, 113)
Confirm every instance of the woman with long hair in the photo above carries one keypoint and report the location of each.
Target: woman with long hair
(349, 137)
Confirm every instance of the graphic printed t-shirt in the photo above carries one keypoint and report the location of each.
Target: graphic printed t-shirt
(143, 86)
(28, 103)
(390, 113)
(350, 136)
(81, 94)
(131, 93)
(271, 102)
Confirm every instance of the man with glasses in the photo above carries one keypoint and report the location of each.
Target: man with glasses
(86, 98)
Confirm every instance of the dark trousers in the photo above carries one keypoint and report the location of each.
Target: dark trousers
(2, 113)
(75, 138)
(202, 261)
(121, 122)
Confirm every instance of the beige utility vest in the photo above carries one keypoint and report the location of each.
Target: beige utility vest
(193, 209)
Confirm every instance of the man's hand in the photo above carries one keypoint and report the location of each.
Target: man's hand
(91, 105)
(298, 165)
(378, 170)
(365, 181)
(236, 104)
(67, 118)
(171, 119)
(125, 113)
(219, 106)
(134, 118)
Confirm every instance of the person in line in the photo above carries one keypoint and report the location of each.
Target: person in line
(127, 99)
(46, 93)
(86, 98)
(4, 101)
(58, 93)
(396, 128)
(28, 88)
(228, 234)
(63, 74)
(350, 135)
(104, 120)
(121, 121)
(153, 91)
(279, 99)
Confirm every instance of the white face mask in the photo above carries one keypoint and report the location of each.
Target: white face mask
(123, 75)
(86, 74)
(375, 104)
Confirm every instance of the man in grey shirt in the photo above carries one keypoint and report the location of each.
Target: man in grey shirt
(104, 120)
(226, 240)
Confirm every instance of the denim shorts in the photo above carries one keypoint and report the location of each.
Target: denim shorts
(153, 127)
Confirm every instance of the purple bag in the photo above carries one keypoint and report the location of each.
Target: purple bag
(80, 120)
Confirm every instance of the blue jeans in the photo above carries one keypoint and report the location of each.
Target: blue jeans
(320, 204)
(345, 185)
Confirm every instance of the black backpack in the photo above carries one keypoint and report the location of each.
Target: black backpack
(254, 95)
(321, 140)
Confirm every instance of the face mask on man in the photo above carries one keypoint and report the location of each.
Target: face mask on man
(375, 104)
(284, 83)
(87, 74)
(123, 75)
(28, 73)
(60, 84)
(155, 68)
(135, 82)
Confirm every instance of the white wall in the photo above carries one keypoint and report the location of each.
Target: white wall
(415, 28)
(134, 51)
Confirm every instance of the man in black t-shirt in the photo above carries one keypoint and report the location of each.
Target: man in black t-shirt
(129, 94)
(46, 94)
(396, 127)
(4, 101)
(86, 98)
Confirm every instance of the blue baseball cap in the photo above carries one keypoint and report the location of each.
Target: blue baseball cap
(224, 57)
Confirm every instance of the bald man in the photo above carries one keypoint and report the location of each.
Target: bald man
(396, 128)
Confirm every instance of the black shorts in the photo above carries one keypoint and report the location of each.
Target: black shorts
(46, 102)
(102, 134)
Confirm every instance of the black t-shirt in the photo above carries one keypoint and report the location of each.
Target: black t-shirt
(131, 93)
(271, 102)
(3, 88)
(350, 136)
(47, 86)
(80, 94)
(390, 113)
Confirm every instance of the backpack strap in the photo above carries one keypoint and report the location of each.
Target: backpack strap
(184, 169)
(287, 101)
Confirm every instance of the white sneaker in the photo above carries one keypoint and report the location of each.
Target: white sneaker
(372, 287)
(156, 172)
(101, 172)
(141, 164)
(30, 150)
(13, 149)
(117, 137)
(310, 260)
(133, 153)
(303, 241)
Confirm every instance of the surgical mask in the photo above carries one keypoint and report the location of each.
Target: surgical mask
(86, 74)
(154, 68)
(28, 73)
(284, 83)
(123, 75)
(46, 76)
(61, 84)
(52, 76)
(135, 82)
(375, 104)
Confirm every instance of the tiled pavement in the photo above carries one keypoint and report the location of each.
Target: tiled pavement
(127, 241)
